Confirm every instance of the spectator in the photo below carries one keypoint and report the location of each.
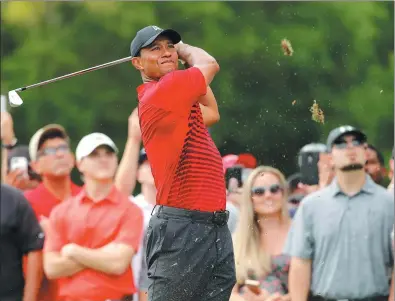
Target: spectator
(93, 236)
(52, 159)
(340, 237)
(375, 164)
(20, 235)
(296, 194)
(261, 233)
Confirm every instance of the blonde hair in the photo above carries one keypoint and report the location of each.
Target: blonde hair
(249, 255)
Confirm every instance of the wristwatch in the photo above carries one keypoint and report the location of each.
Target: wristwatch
(11, 145)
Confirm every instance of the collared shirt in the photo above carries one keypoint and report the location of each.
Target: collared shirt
(42, 202)
(93, 225)
(348, 240)
(20, 234)
(185, 162)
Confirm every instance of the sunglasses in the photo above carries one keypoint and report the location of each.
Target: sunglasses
(259, 191)
(53, 150)
(342, 144)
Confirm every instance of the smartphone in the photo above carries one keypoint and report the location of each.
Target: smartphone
(234, 172)
(3, 103)
(253, 286)
(308, 159)
(20, 163)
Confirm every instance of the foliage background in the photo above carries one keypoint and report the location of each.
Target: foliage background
(343, 59)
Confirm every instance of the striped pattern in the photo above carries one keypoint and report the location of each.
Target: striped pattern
(198, 181)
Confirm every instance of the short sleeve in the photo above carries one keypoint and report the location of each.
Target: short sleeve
(181, 90)
(55, 233)
(131, 227)
(30, 235)
(300, 242)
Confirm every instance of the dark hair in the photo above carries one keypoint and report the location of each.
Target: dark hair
(380, 156)
(293, 181)
(51, 134)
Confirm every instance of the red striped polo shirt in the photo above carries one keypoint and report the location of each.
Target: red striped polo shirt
(185, 163)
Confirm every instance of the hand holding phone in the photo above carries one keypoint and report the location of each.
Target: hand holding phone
(19, 163)
(308, 159)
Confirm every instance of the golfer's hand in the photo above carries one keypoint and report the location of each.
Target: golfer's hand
(7, 128)
(182, 51)
(134, 131)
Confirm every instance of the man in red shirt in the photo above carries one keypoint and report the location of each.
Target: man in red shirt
(92, 237)
(52, 159)
(189, 246)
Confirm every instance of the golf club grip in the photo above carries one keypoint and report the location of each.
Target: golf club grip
(94, 68)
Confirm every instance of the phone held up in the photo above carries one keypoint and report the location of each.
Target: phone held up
(20, 163)
(239, 173)
(308, 159)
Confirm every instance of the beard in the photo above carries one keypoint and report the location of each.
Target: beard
(352, 167)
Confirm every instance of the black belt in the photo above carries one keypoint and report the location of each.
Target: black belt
(219, 218)
(320, 298)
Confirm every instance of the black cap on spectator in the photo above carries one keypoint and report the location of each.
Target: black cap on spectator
(142, 156)
(337, 133)
(147, 35)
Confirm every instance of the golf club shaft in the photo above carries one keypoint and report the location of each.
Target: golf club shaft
(109, 64)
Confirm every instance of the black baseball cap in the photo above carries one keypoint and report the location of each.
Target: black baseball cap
(337, 133)
(142, 156)
(147, 35)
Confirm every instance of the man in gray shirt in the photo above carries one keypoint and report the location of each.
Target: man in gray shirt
(340, 239)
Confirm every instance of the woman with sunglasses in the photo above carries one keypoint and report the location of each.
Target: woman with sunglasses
(260, 236)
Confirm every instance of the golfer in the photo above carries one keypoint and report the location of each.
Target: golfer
(189, 246)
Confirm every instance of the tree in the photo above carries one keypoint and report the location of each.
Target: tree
(343, 59)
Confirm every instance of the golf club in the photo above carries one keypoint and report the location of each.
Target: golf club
(15, 100)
